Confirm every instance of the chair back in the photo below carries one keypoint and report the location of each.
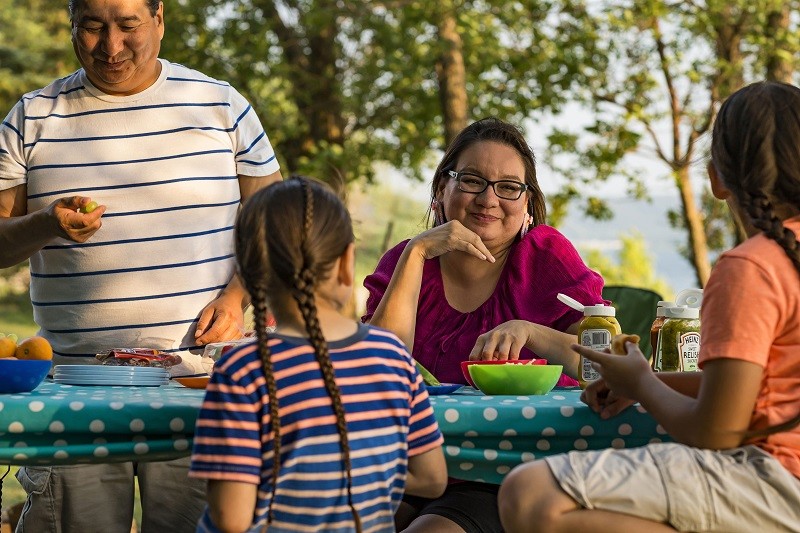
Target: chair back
(636, 310)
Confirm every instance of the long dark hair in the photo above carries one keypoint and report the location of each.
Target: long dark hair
(495, 130)
(288, 236)
(755, 150)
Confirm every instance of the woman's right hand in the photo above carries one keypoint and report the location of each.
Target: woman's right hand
(448, 237)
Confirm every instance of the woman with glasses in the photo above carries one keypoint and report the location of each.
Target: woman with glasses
(481, 284)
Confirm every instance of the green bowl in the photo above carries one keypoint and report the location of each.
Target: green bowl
(515, 379)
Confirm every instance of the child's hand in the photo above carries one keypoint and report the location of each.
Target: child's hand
(623, 374)
(603, 400)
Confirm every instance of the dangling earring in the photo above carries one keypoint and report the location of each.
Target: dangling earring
(526, 225)
(437, 218)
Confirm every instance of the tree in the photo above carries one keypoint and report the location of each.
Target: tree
(35, 47)
(659, 70)
(342, 85)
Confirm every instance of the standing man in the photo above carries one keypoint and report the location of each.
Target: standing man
(168, 154)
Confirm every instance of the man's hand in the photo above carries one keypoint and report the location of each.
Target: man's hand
(71, 223)
(221, 320)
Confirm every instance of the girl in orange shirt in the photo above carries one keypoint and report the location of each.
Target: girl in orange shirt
(735, 462)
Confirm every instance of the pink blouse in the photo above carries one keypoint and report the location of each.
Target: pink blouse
(539, 266)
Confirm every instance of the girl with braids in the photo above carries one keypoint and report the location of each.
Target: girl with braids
(735, 465)
(322, 425)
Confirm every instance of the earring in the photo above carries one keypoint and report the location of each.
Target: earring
(437, 217)
(526, 225)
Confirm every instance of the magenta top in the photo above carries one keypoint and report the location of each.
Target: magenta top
(539, 266)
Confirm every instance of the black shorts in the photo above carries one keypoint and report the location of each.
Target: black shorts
(471, 505)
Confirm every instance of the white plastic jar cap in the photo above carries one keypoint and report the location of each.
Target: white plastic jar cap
(690, 298)
(599, 310)
(681, 312)
(663, 304)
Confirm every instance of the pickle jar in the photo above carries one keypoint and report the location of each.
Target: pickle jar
(595, 331)
(678, 340)
(656, 327)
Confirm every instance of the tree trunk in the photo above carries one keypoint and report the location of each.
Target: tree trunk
(698, 247)
(729, 77)
(779, 62)
(451, 74)
(312, 55)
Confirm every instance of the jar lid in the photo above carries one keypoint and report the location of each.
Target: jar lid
(662, 304)
(599, 310)
(690, 298)
(682, 312)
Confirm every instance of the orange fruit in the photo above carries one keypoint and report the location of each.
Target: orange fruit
(34, 348)
(8, 347)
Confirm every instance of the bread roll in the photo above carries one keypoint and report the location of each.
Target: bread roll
(618, 343)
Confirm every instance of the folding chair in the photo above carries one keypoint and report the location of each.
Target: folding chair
(636, 310)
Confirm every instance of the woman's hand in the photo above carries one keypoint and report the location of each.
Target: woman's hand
(623, 374)
(603, 400)
(448, 237)
(503, 342)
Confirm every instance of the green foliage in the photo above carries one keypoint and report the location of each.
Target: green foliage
(658, 71)
(35, 47)
(634, 266)
(345, 85)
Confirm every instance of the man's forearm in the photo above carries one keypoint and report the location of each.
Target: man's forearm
(21, 237)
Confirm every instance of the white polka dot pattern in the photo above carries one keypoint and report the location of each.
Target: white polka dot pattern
(485, 437)
(63, 424)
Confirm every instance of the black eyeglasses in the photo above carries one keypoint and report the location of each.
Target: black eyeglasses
(505, 189)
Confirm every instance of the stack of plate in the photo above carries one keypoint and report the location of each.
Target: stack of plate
(130, 376)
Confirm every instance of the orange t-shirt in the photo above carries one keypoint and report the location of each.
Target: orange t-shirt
(751, 311)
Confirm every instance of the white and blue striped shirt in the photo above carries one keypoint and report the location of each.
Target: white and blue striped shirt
(165, 163)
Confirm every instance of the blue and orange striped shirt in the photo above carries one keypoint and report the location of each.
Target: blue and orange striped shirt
(389, 418)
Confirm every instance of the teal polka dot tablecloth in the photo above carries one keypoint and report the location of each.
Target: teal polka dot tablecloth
(486, 436)
(63, 424)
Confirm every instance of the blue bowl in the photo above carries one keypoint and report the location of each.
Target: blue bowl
(22, 375)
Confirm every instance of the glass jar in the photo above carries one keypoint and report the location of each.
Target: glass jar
(595, 331)
(656, 327)
(678, 341)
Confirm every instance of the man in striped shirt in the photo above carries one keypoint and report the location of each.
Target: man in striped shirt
(169, 154)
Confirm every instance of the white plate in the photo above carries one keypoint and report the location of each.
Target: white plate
(100, 373)
(110, 369)
(120, 382)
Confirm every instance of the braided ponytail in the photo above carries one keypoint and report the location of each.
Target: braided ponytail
(282, 254)
(304, 283)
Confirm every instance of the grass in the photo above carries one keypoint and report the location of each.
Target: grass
(16, 316)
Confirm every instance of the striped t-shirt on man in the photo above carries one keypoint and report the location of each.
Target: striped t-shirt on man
(165, 162)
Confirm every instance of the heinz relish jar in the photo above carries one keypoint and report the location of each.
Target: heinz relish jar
(679, 341)
(595, 331)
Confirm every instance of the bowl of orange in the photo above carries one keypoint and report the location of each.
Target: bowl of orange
(23, 366)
